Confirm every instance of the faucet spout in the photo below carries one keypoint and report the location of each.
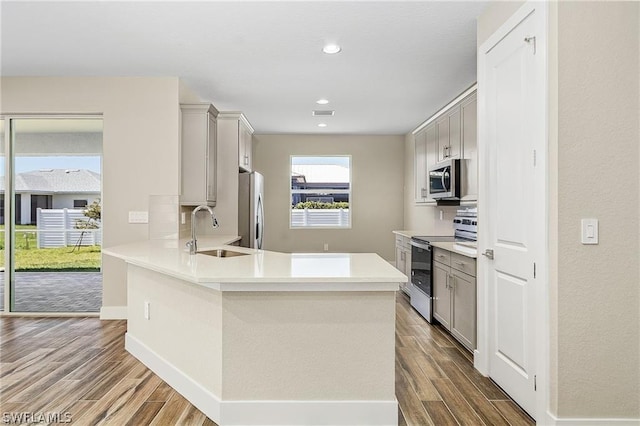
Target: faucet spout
(193, 243)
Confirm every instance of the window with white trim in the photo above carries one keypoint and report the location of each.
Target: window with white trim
(320, 191)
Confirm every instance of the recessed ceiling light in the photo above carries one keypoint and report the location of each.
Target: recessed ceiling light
(322, 125)
(322, 101)
(331, 49)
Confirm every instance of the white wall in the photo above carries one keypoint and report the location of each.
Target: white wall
(65, 201)
(377, 198)
(594, 72)
(140, 146)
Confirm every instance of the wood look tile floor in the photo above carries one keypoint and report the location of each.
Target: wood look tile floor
(78, 367)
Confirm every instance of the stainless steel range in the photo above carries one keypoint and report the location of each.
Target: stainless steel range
(421, 289)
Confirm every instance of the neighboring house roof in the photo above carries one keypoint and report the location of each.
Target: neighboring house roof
(57, 181)
(321, 172)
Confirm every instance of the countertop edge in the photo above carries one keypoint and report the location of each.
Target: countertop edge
(137, 254)
(450, 246)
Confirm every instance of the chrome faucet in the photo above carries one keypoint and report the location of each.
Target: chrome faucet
(193, 243)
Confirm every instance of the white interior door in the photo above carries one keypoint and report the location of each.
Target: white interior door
(511, 83)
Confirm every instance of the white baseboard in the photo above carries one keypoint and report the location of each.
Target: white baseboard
(559, 421)
(377, 413)
(113, 312)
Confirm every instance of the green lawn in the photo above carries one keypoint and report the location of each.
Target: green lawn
(30, 258)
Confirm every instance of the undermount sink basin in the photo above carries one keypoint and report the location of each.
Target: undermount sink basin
(222, 253)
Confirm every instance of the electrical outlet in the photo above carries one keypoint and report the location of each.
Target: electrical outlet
(441, 215)
(183, 218)
(326, 246)
(138, 217)
(147, 310)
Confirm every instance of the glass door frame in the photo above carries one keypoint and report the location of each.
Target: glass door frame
(9, 209)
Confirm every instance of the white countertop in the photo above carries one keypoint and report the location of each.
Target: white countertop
(261, 270)
(411, 234)
(457, 248)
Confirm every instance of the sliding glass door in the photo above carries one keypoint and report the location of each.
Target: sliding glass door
(52, 219)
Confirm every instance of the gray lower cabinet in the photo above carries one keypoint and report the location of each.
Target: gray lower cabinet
(454, 291)
(403, 259)
(463, 308)
(442, 294)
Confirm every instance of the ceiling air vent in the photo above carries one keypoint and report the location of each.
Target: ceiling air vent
(323, 113)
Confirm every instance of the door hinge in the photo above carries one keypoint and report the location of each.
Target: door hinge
(534, 269)
(535, 383)
(531, 40)
(534, 158)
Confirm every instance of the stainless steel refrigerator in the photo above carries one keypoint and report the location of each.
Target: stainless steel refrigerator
(251, 209)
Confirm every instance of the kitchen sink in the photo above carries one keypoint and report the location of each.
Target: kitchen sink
(222, 253)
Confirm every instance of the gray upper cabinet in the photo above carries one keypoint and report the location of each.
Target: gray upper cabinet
(448, 131)
(245, 144)
(235, 133)
(198, 154)
(469, 113)
(425, 155)
(451, 133)
(420, 167)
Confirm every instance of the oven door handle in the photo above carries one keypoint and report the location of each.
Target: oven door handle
(426, 247)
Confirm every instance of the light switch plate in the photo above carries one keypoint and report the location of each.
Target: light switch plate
(589, 231)
(138, 217)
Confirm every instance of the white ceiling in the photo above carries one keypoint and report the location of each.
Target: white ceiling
(401, 60)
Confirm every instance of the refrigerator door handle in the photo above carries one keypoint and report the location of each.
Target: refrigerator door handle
(260, 222)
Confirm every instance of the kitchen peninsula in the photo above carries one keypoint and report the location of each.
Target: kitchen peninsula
(266, 337)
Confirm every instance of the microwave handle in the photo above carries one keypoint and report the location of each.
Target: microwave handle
(445, 172)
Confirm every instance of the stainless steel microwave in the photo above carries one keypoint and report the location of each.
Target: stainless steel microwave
(444, 180)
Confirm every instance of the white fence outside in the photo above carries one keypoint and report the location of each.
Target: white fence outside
(320, 218)
(56, 228)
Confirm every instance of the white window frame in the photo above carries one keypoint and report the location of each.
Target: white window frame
(315, 191)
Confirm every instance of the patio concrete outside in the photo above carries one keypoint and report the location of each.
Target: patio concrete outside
(56, 291)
